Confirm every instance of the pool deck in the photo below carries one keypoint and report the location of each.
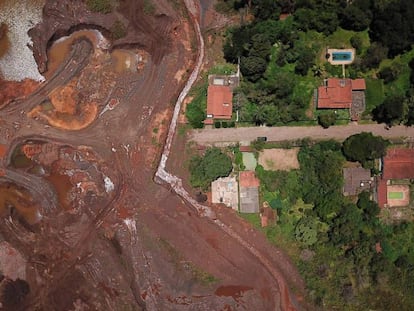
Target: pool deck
(341, 62)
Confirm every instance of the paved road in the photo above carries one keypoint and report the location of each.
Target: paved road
(247, 134)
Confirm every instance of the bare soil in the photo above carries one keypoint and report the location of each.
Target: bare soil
(109, 238)
(279, 159)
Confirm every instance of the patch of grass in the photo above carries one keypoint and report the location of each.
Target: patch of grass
(202, 276)
(225, 6)
(149, 7)
(340, 39)
(118, 30)
(197, 273)
(155, 130)
(254, 219)
(182, 129)
(223, 69)
(100, 6)
(402, 83)
(374, 94)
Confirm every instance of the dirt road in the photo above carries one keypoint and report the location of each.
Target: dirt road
(247, 134)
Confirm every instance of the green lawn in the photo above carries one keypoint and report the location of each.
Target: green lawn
(396, 195)
(374, 94)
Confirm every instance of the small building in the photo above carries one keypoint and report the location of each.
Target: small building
(342, 94)
(249, 192)
(219, 103)
(245, 149)
(267, 215)
(220, 97)
(397, 172)
(225, 190)
(356, 180)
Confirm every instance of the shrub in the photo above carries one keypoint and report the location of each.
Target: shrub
(118, 30)
(99, 6)
(327, 119)
(212, 165)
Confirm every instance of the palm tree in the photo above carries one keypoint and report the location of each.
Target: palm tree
(259, 115)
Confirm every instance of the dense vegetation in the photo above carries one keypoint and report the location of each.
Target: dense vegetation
(207, 168)
(349, 258)
(282, 61)
(364, 148)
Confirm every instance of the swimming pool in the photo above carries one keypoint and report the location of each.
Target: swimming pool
(341, 56)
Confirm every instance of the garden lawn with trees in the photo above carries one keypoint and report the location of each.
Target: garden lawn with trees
(350, 259)
(283, 61)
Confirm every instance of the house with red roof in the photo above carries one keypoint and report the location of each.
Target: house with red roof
(220, 97)
(219, 103)
(339, 93)
(398, 165)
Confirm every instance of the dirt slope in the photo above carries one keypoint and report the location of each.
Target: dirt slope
(122, 242)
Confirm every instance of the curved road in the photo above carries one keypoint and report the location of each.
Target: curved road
(247, 134)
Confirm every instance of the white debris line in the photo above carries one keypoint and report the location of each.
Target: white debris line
(109, 185)
(132, 228)
(174, 181)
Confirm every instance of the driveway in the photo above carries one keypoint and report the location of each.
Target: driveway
(246, 134)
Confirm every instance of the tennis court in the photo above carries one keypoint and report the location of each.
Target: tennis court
(398, 195)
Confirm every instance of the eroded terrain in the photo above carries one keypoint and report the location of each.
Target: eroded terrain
(81, 213)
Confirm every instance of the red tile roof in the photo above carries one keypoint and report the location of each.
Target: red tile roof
(245, 149)
(398, 164)
(219, 101)
(358, 84)
(337, 93)
(248, 179)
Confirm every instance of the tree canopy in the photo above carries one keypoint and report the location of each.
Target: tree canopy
(212, 165)
(391, 111)
(364, 148)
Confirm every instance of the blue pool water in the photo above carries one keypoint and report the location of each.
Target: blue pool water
(338, 56)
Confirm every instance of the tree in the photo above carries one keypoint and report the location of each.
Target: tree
(346, 226)
(265, 9)
(369, 208)
(305, 61)
(327, 119)
(195, 115)
(13, 293)
(391, 111)
(375, 54)
(390, 73)
(357, 42)
(212, 165)
(354, 18)
(392, 25)
(253, 67)
(364, 148)
(306, 230)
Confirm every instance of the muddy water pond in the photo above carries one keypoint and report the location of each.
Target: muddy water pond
(61, 47)
(16, 58)
(16, 200)
(62, 187)
(124, 60)
(235, 291)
